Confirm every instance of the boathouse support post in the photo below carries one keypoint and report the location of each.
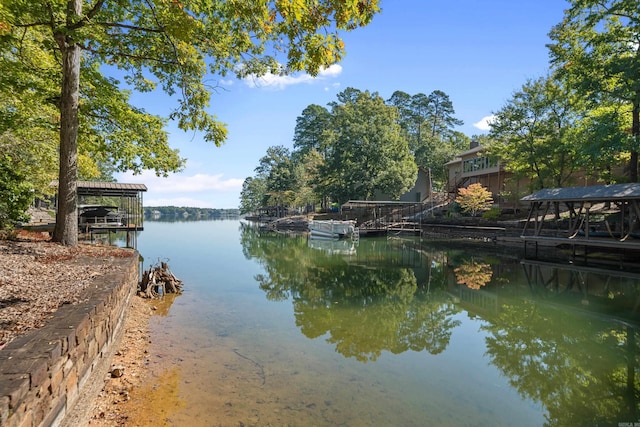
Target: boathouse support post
(587, 208)
(534, 207)
(540, 220)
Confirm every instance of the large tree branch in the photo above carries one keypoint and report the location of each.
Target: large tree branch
(130, 27)
(183, 87)
(103, 117)
(92, 12)
(84, 19)
(130, 56)
(87, 19)
(602, 9)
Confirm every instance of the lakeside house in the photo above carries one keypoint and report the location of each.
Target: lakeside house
(419, 193)
(421, 190)
(475, 166)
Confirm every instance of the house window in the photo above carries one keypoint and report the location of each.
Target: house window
(477, 164)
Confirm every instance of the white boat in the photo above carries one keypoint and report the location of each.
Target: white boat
(331, 229)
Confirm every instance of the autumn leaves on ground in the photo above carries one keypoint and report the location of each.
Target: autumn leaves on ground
(38, 277)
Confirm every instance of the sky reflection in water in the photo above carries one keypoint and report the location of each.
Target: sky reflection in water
(280, 329)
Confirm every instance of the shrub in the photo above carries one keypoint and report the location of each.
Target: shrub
(15, 193)
(474, 198)
(453, 211)
(493, 213)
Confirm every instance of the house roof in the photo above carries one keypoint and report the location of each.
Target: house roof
(454, 161)
(595, 193)
(473, 150)
(460, 156)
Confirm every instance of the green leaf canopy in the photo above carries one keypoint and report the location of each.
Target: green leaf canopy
(171, 44)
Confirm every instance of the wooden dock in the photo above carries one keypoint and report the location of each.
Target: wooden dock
(404, 227)
(385, 217)
(593, 219)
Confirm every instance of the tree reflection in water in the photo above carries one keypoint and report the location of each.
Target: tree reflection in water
(365, 302)
(546, 337)
(473, 274)
(585, 373)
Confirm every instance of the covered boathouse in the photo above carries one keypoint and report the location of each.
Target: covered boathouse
(600, 218)
(105, 208)
(383, 217)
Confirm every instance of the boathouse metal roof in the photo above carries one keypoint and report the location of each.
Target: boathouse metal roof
(599, 193)
(376, 203)
(103, 188)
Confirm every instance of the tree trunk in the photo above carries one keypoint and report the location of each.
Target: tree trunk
(66, 229)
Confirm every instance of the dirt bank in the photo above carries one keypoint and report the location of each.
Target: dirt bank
(112, 405)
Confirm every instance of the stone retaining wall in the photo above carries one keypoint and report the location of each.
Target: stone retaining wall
(42, 373)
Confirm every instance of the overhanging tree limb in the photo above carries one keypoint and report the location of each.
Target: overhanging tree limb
(175, 42)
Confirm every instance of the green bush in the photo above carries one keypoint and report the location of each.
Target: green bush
(455, 208)
(493, 213)
(15, 194)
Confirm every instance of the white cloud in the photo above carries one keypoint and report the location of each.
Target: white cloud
(484, 122)
(199, 190)
(333, 71)
(183, 201)
(275, 81)
(177, 183)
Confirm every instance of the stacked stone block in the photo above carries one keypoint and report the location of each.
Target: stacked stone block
(42, 373)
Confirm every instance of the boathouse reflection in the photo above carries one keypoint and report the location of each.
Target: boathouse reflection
(582, 372)
(565, 336)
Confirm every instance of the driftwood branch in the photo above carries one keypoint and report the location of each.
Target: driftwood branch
(158, 281)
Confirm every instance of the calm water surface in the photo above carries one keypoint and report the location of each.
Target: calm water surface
(275, 330)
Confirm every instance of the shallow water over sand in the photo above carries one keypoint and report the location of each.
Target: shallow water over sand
(274, 330)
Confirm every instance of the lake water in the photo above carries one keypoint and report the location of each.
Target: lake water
(276, 330)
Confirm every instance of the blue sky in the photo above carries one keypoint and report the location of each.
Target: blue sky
(476, 51)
